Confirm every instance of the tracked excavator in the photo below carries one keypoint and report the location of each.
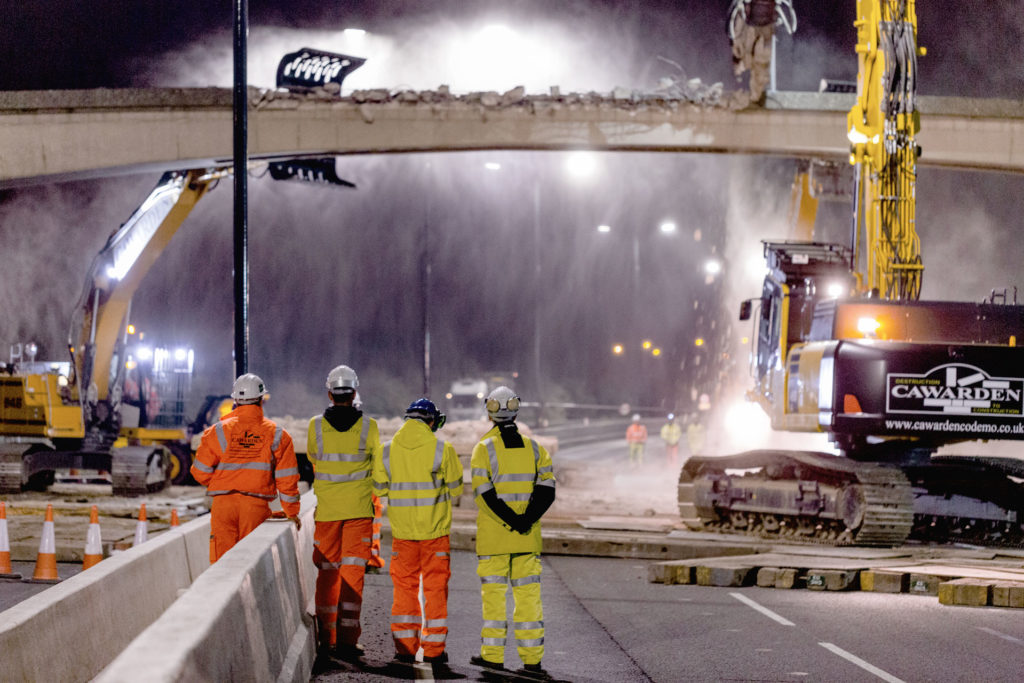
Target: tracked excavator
(70, 414)
(845, 347)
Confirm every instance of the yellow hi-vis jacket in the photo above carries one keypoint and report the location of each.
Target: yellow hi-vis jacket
(342, 467)
(512, 473)
(419, 474)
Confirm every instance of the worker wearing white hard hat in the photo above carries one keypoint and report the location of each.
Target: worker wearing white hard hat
(245, 461)
(342, 445)
(513, 486)
(636, 437)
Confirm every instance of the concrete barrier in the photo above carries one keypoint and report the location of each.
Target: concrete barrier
(71, 631)
(245, 618)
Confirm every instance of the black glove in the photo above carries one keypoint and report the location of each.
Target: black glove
(540, 500)
(501, 509)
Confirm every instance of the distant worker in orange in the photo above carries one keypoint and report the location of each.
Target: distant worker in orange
(245, 461)
(343, 445)
(671, 434)
(636, 437)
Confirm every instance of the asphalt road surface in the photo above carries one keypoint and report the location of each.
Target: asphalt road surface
(606, 623)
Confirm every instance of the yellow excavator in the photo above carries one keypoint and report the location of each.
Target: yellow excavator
(72, 414)
(845, 347)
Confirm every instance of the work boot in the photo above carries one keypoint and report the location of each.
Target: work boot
(477, 660)
(349, 653)
(323, 662)
(405, 659)
(535, 671)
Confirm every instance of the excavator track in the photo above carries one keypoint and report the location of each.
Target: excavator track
(888, 506)
(137, 470)
(798, 498)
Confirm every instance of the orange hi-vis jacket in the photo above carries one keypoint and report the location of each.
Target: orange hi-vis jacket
(247, 453)
(636, 433)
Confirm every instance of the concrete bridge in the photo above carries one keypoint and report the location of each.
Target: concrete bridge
(53, 135)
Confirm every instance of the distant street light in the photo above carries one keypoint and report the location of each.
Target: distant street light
(712, 267)
(604, 228)
(617, 349)
(668, 227)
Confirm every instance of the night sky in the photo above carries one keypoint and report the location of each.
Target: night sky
(336, 275)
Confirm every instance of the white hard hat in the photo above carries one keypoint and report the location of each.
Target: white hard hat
(502, 404)
(248, 388)
(636, 417)
(342, 379)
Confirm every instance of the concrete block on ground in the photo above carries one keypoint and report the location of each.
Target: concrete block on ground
(970, 592)
(831, 579)
(724, 576)
(882, 581)
(99, 610)
(1007, 594)
(671, 572)
(924, 584)
(786, 578)
(245, 618)
(766, 576)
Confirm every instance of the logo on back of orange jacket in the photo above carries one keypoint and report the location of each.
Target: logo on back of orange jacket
(246, 445)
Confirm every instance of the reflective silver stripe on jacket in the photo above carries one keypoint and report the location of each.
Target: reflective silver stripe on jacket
(359, 456)
(490, 623)
(286, 472)
(244, 493)
(498, 642)
(277, 438)
(226, 466)
(386, 459)
(202, 467)
(433, 638)
(437, 623)
(356, 476)
(221, 438)
(289, 499)
(354, 560)
(420, 502)
(533, 642)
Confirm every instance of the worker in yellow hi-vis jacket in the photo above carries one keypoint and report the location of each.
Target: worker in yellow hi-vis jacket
(513, 485)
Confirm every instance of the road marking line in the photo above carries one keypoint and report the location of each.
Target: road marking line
(997, 634)
(763, 610)
(870, 668)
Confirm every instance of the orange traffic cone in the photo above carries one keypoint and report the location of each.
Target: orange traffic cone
(46, 560)
(93, 541)
(141, 527)
(6, 571)
(174, 517)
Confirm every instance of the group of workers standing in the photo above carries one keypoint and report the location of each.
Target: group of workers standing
(671, 433)
(245, 461)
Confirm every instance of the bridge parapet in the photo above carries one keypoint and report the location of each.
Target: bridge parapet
(66, 134)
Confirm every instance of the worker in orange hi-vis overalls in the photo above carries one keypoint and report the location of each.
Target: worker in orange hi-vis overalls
(376, 562)
(245, 461)
(636, 436)
(419, 474)
(342, 443)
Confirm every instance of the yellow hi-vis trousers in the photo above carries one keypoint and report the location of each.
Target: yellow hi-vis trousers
(522, 572)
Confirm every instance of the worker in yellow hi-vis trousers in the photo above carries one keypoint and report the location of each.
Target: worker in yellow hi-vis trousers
(513, 485)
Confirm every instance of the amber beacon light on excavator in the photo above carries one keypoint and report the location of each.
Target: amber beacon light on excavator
(844, 347)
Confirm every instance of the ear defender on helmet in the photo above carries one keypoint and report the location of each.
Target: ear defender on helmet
(502, 404)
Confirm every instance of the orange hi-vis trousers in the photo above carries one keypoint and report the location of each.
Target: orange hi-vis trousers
(409, 560)
(341, 551)
(233, 516)
(375, 559)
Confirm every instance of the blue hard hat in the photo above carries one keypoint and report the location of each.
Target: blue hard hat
(422, 407)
